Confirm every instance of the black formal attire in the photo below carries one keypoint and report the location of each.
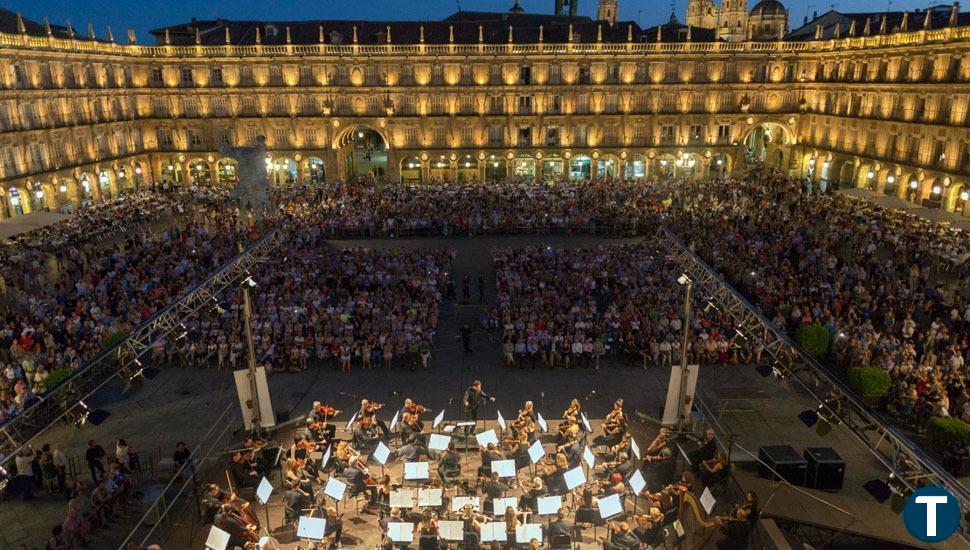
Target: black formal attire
(621, 541)
(294, 503)
(558, 528)
(705, 452)
(470, 402)
(95, 458)
(449, 465)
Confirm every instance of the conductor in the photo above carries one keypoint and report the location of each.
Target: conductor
(472, 400)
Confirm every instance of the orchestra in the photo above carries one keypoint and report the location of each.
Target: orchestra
(304, 477)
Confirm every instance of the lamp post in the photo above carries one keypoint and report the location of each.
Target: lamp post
(253, 403)
(682, 391)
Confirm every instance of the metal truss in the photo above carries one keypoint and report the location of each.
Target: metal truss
(838, 404)
(121, 363)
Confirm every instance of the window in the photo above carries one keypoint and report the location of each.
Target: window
(306, 75)
(582, 136)
(410, 137)
(640, 134)
(164, 136)
(525, 75)
(282, 136)
(159, 107)
(309, 136)
(525, 136)
(496, 135)
(612, 103)
(583, 75)
(20, 76)
(667, 134)
(215, 77)
(251, 135)
(723, 133)
(582, 104)
(555, 105)
(186, 76)
(157, 79)
(195, 137)
(437, 105)
(496, 105)
(438, 136)
(524, 105)
(191, 106)
(225, 136)
(467, 135)
(219, 106)
(555, 74)
(275, 76)
(552, 136)
(696, 133)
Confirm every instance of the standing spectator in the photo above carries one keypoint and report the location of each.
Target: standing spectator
(95, 458)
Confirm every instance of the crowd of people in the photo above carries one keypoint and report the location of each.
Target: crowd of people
(881, 281)
(570, 306)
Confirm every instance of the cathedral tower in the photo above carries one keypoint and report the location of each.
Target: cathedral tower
(732, 23)
(701, 14)
(607, 11)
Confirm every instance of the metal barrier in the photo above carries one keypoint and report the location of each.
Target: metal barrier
(896, 452)
(198, 463)
(122, 360)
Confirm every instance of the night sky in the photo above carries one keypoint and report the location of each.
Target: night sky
(144, 15)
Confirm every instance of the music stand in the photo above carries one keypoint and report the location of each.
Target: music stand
(263, 492)
(394, 420)
(501, 420)
(335, 489)
(381, 454)
(311, 528)
(589, 429)
(525, 533)
(542, 422)
(458, 503)
(217, 539)
(486, 437)
(548, 505)
(493, 531)
(438, 442)
(326, 457)
(707, 499)
(574, 478)
(402, 498)
(416, 471)
(429, 497)
(589, 457)
(401, 532)
(610, 506)
(438, 419)
(504, 468)
(500, 504)
(350, 423)
(637, 483)
(536, 452)
(451, 530)
(634, 447)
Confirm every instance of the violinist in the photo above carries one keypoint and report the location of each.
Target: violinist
(528, 412)
(568, 429)
(335, 527)
(428, 531)
(243, 471)
(552, 471)
(415, 410)
(488, 454)
(658, 443)
(623, 446)
(322, 413)
(533, 490)
(518, 447)
(612, 485)
(295, 501)
(413, 450)
(301, 449)
(621, 537)
(572, 450)
(560, 526)
(613, 426)
(511, 520)
(411, 429)
(365, 434)
(295, 472)
(573, 410)
(493, 488)
(254, 453)
(650, 527)
(368, 412)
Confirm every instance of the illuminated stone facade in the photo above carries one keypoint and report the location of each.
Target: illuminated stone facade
(548, 99)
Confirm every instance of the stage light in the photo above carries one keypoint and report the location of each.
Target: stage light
(683, 279)
(249, 281)
(63, 188)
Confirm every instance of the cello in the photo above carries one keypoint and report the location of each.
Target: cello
(241, 512)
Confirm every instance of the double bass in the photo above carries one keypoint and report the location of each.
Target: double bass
(241, 512)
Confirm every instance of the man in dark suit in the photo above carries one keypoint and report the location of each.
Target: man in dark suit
(560, 526)
(471, 401)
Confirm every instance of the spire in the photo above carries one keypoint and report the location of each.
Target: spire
(131, 36)
(818, 32)
(689, 32)
(168, 38)
(111, 36)
(421, 37)
(355, 34)
(21, 28)
(228, 38)
(510, 34)
(289, 40)
(954, 12)
(451, 34)
(91, 34)
(882, 25)
(481, 35)
(259, 38)
(516, 8)
(852, 28)
(629, 33)
(47, 27)
(867, 30)
(599, 33)
(904, 26)
(659, 37)
(388, 34)
(541, 38)
(838, 29)
(319, 34)
(928, 20)
(198, 37)
(570, 33)
(70, 29)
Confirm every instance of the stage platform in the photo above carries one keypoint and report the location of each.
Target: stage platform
(871, 520)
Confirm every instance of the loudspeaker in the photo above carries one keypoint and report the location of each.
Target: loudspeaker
(826, 469)
(785, 460)
(282, 415)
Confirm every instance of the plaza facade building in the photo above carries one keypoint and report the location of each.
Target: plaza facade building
(873, 100)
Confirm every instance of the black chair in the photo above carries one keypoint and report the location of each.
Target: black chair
(561, 542)
(470, 541)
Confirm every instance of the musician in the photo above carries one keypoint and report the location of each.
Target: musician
(295, 472)
(658, 443)
(658, 469)
(560, 526)
(212, 501)
(471, 528)
(415, 410)
(650, 527)
(365, 434)
(295, 501)
(528, 412)
(573, 410)
(412, 451)
(613, 426)
(715, 470)
(572, 450)
(493, 488)
(706, 449)
(568, 428)
(411, 430)
(254, 452)
(301, 449)
(534, 490)
(552, 470)
(322, 413)
(243, 472)
(225, 520)
(358, 477)
(488, 454)
(621, 537)
(449, 463)
(368, 410)
(613, 485)
(472, 400)
(623, 446)
(739, 524)
(511, 522)
(428, 531)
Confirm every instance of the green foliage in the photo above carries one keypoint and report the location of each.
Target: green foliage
(814, 339)
(870, 381)
(942, 432)
(113, 339)
(55, 377)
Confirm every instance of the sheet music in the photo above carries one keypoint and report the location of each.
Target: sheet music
(589, 457)
(536, 452)
(217, 539)
(451, 530)
(504, 468)
(264, 491)
(438, 419)
(449, 428)
(486, 437)
(637, 483)
(335, 489)
(416, 470)
(610, 506)
(589, 428)
(542, 422)
(350, 423)
(438, 442)
(574, 478)
(429, 497)
(381, 453)
(311, 528)
(401, 532)
(527, 532)
(500, 504)
(394, 420)
(402, 498)
(707, 499)
(458, 503)
(501, 420)
(634, 447)
(549, 505)
(493, 531)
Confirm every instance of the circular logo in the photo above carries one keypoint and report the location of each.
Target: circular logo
(931, 514)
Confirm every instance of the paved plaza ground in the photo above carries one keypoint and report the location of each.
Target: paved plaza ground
(181, 405)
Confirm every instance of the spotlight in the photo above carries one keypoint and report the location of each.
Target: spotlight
(249, 281)
(683, 279)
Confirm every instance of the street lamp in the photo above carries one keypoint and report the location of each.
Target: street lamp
(685, 281)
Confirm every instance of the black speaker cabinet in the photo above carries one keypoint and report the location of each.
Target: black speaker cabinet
(785, 460)
(826, 469)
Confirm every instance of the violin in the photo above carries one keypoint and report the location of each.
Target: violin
(326, 411)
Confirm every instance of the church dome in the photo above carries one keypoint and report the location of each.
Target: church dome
(769, 7)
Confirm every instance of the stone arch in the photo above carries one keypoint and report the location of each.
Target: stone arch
(411, 170)
(282, 171)
(362, 150)
(200, 174)
(226, 171)
(956, 198)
